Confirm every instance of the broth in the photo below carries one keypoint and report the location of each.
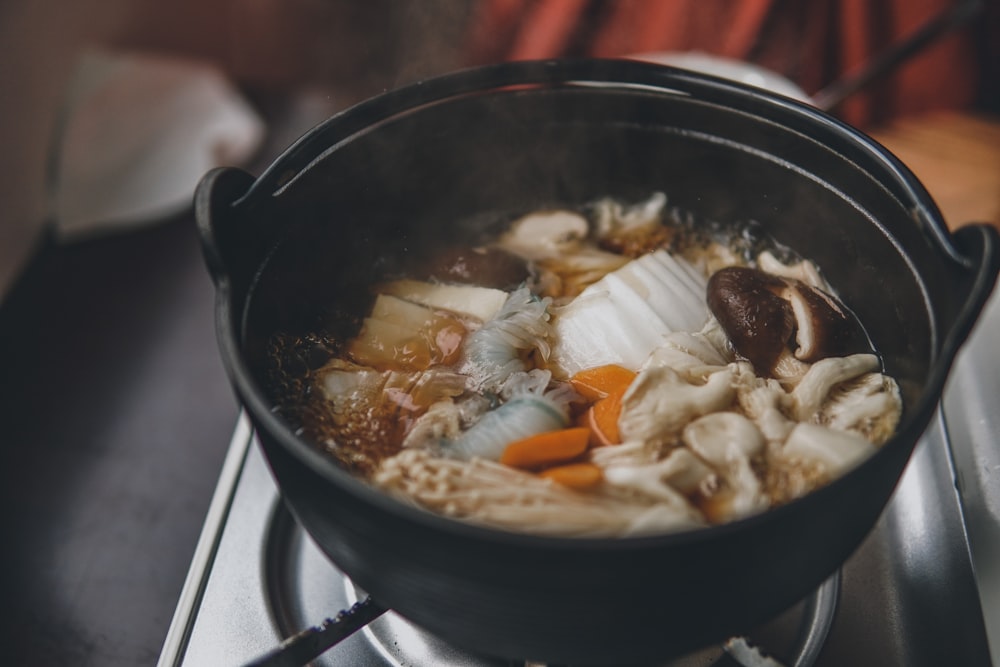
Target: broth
(609, 370)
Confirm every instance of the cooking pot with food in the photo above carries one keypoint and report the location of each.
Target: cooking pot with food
(420, 168)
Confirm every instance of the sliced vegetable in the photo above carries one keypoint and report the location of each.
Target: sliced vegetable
(546, 449)
(601, 381)
(402, 335)
(575, 475)
(545, 234)
(837, 451)
(602, 419)
(497, 350)
(481, 303)
(623, 317)
(531, 409)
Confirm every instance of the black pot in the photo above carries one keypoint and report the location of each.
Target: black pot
(440, 160)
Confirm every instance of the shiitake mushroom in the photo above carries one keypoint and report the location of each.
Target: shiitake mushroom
(763, 315)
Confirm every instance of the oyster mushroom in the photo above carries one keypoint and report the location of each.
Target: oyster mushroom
(803, 270)
(836, 451)
(545, 234)
(681, 472)
(728, 441)
(762, 313)
(659, 403)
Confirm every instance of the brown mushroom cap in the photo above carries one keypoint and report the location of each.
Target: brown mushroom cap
(758, 322)
(761, 313)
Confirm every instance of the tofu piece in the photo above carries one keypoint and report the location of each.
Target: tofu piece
(406, 314)
(481, 303)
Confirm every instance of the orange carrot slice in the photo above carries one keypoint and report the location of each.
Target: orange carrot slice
(597, 437)
(575, 475)
(600, 381)
(545, 449)
(603, 419)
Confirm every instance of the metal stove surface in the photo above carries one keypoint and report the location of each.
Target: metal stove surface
(923, 589)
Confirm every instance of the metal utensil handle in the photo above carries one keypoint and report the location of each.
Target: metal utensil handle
(956, 16)
(311, 643)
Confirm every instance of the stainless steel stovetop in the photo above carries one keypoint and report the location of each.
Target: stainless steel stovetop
(923, 589)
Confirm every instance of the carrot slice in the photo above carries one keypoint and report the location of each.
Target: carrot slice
(597, 437)
(603, 419)
(545, 449)
(575, 475)
(601, 381)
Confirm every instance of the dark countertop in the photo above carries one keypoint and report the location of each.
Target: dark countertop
(115, 418)
(116, 415)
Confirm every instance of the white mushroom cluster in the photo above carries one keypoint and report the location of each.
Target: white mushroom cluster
(699, 423)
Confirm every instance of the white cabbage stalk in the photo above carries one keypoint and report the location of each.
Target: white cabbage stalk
(625, 315)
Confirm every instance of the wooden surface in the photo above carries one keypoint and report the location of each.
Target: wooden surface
(957, 157)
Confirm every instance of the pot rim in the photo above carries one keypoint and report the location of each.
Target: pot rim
(610, 73)
(648, 78)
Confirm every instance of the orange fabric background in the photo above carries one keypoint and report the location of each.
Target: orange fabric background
(812, 43)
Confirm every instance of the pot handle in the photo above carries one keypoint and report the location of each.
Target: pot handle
(976, 249)
(231, 244)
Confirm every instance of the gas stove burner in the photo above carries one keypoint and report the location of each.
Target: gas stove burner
(304, 585)
(402, 644)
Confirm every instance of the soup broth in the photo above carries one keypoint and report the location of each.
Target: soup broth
(610, 370)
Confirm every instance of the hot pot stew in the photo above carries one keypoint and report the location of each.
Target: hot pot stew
(616, 369)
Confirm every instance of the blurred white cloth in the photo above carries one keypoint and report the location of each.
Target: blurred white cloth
(137, 134)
